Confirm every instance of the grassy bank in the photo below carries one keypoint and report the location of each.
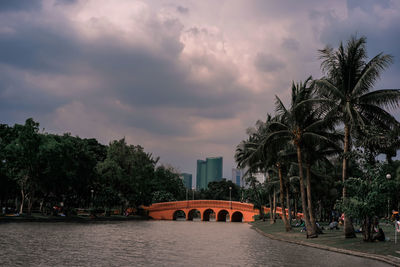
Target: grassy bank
(37, 217)
(334, 240)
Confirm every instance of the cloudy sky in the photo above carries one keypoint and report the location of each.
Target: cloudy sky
(184, 79)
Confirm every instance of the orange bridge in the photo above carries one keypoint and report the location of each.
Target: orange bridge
(204, 209)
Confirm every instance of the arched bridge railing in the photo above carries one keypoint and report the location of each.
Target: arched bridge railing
(187, 204)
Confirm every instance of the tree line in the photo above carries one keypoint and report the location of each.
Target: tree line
(326, 141)
(41, 170)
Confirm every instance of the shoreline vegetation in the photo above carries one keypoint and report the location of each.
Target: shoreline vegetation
(36, 217)
(333, 240)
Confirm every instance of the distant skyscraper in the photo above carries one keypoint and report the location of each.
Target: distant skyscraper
(208, 170)
(237, 176)
(187, 180)
(201, 177)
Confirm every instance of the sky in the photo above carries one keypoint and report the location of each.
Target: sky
(184, 79)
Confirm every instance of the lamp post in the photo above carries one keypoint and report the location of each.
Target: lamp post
(193, 193)
(92, 191)
(388, 176)
(230, 195)
(187, 199)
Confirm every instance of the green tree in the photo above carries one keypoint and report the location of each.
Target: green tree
(8, 186)
(219, 190)
(346, 91)
(168, 183)
(22, 160)
(129, 171)
(367, 195)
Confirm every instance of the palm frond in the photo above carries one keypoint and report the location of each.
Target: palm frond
(386, 98)
(371, 73)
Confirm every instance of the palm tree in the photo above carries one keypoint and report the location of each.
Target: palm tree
(276, 156)
(297, 124)
(257, 156)
(248, 156)
(346, 90)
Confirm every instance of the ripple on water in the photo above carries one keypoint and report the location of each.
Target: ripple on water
(155, 243)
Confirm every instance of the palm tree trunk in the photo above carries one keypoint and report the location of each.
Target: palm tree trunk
(30, 202)
(274, 208)
(303, 193)
(270, 209)
(282, 199)
(348, 226)
(270, 203)
(309, 202)
(21, 207)
(288, 204)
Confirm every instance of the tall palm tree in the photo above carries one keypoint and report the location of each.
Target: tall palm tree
(297, 124)
(257, 156)
(346, 90)
(275, 156)
(248, 156)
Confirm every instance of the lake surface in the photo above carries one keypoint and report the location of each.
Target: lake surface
(156, 243)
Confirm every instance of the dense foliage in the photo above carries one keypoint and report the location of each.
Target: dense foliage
(40, 170)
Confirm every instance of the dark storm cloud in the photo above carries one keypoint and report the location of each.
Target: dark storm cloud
(268, 63)
(136, 75)
(141, 78)
(20, 99)
(290, 44)
(182, 10)
(367, 5)
(281, 9)
(19, 5)
(38, 48)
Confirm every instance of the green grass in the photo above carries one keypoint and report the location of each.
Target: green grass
(335, 238)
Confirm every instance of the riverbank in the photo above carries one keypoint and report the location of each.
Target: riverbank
(333, 240)
(43, 218)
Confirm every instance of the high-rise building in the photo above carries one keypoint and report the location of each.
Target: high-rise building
(187, 180)
(214, 169)
(208, 170)
(201, 177)
(237, 176)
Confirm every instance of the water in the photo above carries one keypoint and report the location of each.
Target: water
(156, 243)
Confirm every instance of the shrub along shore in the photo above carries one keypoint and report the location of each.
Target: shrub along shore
(334, 240)
(37, 217)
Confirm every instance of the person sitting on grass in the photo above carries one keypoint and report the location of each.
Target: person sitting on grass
(380, 236)
(333, 225)
(299, 223)
(319, 228)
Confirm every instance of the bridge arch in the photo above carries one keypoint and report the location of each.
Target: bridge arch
(193, 213)
(207, 208)
(237, 216)
(221, 217)
(178, 214)
(206, 214)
